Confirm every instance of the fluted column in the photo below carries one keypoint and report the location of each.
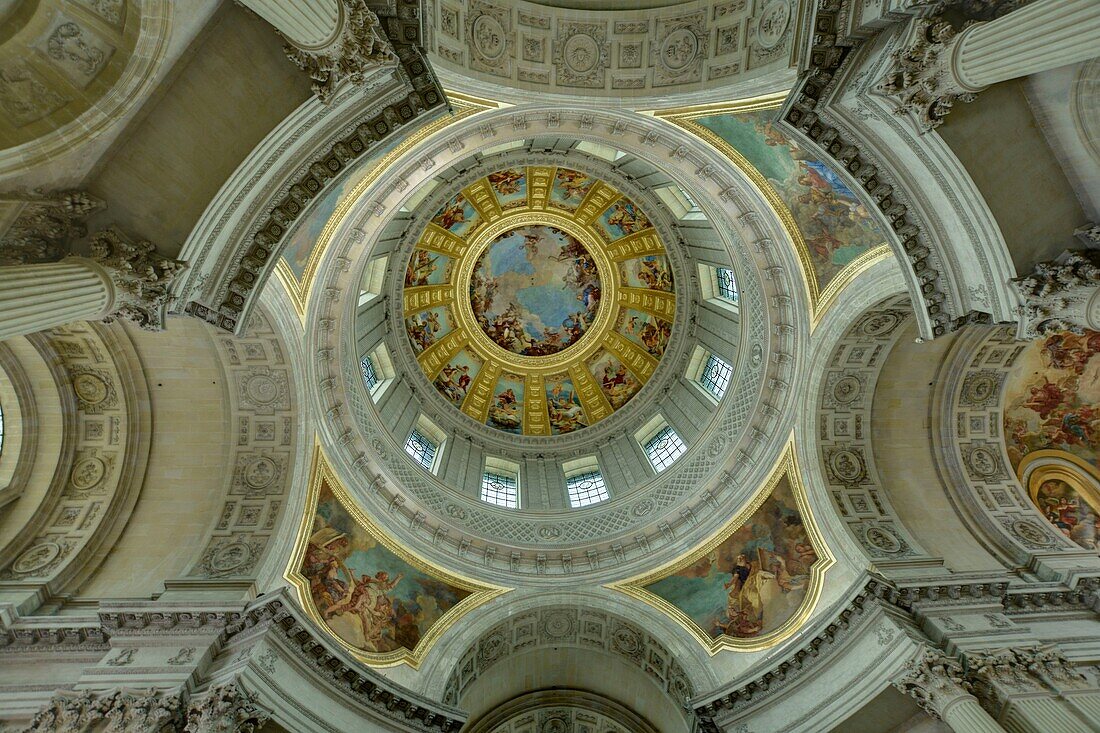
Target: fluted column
(939, 66)
(305, 23)
(330, 40)
(122, 279)
(937, 683)
(37, 297)
(1039, 36)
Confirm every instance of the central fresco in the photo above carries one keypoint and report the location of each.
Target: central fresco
(539, 300)
(535, 290)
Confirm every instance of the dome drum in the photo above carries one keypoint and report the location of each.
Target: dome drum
(656, 513)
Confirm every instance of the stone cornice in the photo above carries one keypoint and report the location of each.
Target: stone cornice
(871, 595)
(907, 598)
(250, 267)
(277, 613)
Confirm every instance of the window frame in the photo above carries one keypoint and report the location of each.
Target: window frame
(504, 472)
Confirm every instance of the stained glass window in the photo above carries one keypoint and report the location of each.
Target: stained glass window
(500, 489)
(664, 448)
(421, 448)
(716, 376)
(727, 285)
(586, 488)
(370, 376)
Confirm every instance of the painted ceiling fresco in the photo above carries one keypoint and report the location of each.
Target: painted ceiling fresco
(1052, 416)
(539, 300)
(378, 601)
(1052, 398)
(754, 583)
(835, 224)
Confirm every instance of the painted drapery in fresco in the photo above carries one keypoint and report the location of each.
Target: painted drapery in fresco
(836, 225)
(369, 596)
(754, 581)
(1052, 398)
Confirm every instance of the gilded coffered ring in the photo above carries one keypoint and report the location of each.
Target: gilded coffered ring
(539, 300)
(729, 451)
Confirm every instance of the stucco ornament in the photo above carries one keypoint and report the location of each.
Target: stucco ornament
(45, 225)
(1061, 295)
(140, 275)
(921, 75)
(226, 709)
(934, 680)
(359, 47)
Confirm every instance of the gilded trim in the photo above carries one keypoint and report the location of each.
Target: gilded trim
(820, 299)
(787, 465)
(481, 593)
(300, 291)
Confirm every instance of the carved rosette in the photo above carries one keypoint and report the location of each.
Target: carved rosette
(226, 709)
(360, 46)
(141, 278)
(921, 75)
(45, 225)
(934, 680)
(1061, 295)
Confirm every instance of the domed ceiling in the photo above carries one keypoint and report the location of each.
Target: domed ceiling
(539, 300)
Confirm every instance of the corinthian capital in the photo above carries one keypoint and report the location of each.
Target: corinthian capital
(44, 225)
(360, 46)
(141, 278)
(1061, 295)
(226, 709)
(934, 680)
(922, 75)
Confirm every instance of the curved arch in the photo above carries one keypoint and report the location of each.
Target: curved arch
(444, 677)
(134, 84)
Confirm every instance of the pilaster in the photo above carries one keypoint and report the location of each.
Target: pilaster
(1029, 690)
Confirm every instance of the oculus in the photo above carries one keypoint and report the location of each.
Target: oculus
(538, 300)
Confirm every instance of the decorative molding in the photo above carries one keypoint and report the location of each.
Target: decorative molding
(922, 76)
(124, 710)
(46, 224)
(805, 112)
(569, 626)
(366, 456)
(226, 708)
(653, 55)
(935, 680)
(254, 259)
(314, 649)
(260, 462)
(844, 435)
